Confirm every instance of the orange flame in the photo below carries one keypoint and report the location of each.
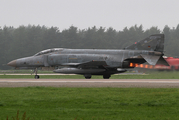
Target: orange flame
(141, 65)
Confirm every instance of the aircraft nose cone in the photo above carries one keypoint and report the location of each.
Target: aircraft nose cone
(12, 63)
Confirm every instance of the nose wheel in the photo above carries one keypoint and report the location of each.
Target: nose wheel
(37, 76)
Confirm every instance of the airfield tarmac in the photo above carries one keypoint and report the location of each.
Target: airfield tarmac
(148, 83)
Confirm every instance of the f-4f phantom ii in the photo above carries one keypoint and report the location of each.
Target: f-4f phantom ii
(90, 62)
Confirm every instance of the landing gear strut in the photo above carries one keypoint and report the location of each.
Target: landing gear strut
(36, 76)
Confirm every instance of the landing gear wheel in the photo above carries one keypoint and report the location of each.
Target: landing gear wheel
(87, 76)
(37, 77)
(106, 76)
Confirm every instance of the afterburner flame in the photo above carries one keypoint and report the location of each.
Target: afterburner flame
(141, 65)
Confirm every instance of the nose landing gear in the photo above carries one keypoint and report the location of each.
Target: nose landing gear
(36, 76)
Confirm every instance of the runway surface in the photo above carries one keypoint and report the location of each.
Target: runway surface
(150, 83)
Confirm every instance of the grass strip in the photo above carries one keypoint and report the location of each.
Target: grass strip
(48, 103)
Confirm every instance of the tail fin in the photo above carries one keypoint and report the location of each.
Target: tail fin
(153, 43)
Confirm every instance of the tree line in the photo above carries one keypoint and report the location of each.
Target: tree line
(28, 40)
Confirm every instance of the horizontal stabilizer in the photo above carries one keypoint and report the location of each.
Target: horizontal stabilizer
(155, 60)
(152, 60)
(162, 61)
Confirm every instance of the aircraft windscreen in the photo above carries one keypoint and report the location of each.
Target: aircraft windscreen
(48, 51)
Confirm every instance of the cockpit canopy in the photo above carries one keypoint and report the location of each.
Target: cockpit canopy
(48, 51)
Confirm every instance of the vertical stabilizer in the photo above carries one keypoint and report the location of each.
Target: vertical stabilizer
(153, 43)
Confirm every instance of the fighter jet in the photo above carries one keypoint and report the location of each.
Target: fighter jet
(90, 62)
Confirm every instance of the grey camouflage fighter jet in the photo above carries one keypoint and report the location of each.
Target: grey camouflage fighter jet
(90, 62)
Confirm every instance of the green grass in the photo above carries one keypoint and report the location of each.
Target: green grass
(149, 75)
(47, 103)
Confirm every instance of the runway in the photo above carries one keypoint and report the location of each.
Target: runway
(149, 83)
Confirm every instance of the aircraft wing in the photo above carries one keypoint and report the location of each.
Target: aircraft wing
(90, 64)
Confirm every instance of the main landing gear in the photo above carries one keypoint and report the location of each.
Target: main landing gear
(106, 76)
(36, 76)
(87, 76)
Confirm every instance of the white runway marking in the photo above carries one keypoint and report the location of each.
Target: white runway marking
(90, 81)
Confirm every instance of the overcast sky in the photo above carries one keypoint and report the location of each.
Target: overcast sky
(88, 13)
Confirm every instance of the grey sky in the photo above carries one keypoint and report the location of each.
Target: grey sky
(88, 13)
